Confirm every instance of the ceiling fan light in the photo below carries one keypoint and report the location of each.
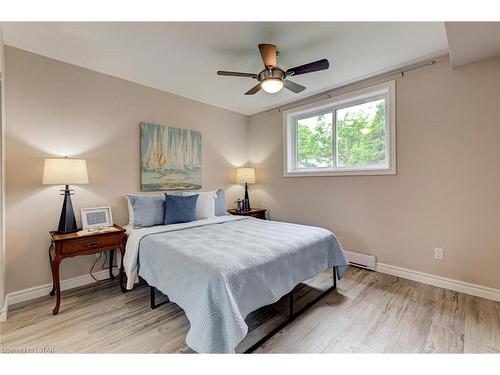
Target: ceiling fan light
(272, 85)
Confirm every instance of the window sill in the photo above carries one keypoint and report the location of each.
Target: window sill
(330, 173)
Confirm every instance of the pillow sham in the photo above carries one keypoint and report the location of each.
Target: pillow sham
(220, 203)
(205, 206)
(146, 210)
(180, 209)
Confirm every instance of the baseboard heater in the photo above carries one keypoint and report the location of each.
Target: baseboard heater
(361, 260)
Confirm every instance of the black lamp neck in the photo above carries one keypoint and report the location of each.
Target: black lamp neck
(67, 221)
(66, 190)
(246, 201)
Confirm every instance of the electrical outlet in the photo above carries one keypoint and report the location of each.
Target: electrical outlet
(438, 253)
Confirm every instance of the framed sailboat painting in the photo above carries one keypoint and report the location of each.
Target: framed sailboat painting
(170, 158)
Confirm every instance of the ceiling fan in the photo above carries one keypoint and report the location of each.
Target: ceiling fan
(272, 78)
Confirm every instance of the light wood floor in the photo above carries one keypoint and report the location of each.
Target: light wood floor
(369, 313)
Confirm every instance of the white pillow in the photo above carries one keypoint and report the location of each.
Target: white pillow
(205, 205)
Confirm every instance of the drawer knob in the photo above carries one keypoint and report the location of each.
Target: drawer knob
(93, 244)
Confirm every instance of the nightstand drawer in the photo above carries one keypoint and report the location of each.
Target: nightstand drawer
(86, 244)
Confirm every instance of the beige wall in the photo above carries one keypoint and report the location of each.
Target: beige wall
(57, 109)
(445, 193)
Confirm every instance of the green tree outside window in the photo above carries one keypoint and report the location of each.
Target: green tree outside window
(360, 142)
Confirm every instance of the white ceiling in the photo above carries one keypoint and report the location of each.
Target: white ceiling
(182, 58)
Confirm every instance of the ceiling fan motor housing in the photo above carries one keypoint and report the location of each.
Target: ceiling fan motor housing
(275, 73)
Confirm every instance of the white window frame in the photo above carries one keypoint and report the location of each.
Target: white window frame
(386, 90)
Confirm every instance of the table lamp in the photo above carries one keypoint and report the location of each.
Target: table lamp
(65, 172)
(245, 176)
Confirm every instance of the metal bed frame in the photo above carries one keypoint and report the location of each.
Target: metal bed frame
(292, 315)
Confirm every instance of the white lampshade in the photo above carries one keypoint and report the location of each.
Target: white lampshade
(65, 172)
(245, 175)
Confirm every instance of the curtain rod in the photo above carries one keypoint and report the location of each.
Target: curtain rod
(330, 92)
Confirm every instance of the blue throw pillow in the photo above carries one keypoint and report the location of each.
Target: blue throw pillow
(148, 210)
(180, 209)
(220, 203)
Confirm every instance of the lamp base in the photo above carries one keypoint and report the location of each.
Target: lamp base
(246, 201)
(67, 221)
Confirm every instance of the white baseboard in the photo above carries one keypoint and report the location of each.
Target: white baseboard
(442, 282)
(3, 313)
(44, 290)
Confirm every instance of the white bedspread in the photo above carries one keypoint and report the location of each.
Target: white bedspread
(220, 269)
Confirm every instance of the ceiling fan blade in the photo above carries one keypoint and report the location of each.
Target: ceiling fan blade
(253, 90)
(309, 68)
(295, 87)
(236, 74)
(268, 53)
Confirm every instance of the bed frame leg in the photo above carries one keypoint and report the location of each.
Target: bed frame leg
(334, 277)
(152, 296)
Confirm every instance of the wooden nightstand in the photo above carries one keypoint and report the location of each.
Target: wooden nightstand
(259, 213)
(67, 245)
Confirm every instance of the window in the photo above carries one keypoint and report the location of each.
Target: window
(352, 134)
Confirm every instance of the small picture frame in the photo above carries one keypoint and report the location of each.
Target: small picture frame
(96, 218)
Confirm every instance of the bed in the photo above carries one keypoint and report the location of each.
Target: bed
(220, 269)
